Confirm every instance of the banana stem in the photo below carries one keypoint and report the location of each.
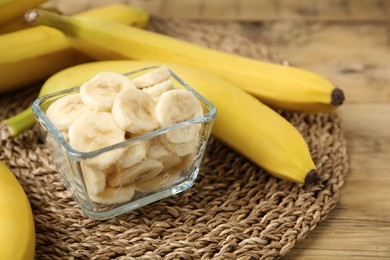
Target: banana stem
(42, 17)
(20, 122)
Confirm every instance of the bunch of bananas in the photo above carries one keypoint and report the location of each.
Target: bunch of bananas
(238, 86)
(242, 89)
(33, 54)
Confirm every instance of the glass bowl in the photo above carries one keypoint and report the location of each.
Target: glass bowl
(178, 173)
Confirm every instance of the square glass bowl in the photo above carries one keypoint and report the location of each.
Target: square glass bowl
(178, 174)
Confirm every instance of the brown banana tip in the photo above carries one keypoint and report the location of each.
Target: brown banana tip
(31, 15)
(311, 177)
(337, 97)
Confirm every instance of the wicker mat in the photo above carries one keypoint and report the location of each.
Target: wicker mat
(234, 211)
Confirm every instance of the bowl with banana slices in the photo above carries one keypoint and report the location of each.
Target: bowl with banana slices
(122, 141)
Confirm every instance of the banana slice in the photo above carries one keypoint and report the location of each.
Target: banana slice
(99, 92)
(64, 111)
(133, 110)
(139, 172)
(166, 178)
(95, 179)
(176, 106)
(187, 161)
(114, 195)
(95, 130)
(158, 89)
(133, 154)
(152, 77)
(160, 153)
(181, 149)
(163, 180)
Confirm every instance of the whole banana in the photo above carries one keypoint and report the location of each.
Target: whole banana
(14, 25)
(276, 85)
(242, 121)
(17, 232)
(31, 55)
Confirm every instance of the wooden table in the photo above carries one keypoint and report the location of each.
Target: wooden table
(347, 41)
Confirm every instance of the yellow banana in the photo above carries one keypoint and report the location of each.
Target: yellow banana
(242, 122)
(14, 25)
(33, 54)
(278, 86)
(11, 9)
(17, 232)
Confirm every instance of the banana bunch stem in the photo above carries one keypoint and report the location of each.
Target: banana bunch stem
(18, 123)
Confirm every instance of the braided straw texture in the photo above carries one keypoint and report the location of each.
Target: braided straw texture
(235, 210)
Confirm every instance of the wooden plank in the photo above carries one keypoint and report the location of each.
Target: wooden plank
(257, 10)
(219, 9)
(365, 9)
(344, 236)
(291, 9)
(367, 185)
(152, 7)
(261, 10)
(332, 8)
(385, 6)
(367, 120)
(190, 9)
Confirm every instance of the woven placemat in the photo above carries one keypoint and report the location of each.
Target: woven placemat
(235, 210)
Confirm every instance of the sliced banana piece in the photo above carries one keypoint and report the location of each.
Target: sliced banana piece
(95, 130)
(133, 110)
(158, 89)
(139, 172)
(133, 154)
(152, 77)
(95, 179)
(99, 92)
(163, 180)
(176, 106)
(181, 149)
(114, 195)
(65, 110)
(187, 161)
(160, 153)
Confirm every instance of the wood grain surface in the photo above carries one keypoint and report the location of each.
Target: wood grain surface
(349, 43)
(255, 10)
